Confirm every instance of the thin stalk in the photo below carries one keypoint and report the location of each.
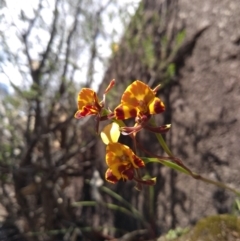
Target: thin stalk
(161, 140)
(193, 174)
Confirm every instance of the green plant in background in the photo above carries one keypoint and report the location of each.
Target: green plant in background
(125, 207)
(220, 227)
(236, 206)
(149, 52)
(156, 54)
(175, 233)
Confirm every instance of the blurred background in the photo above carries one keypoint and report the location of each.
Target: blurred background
(52, 166)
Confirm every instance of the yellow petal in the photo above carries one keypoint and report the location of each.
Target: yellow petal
(116, 153)
(156, 106)
(87, 97)
(110, 133)
(138, 99)
(137, 93)
(110, 177)
(123, 112)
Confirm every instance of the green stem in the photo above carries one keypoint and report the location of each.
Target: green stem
(190, 173)
(219, 184)
(163, 144)
(161, 140)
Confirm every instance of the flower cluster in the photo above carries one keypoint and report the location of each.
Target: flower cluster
(138, 101)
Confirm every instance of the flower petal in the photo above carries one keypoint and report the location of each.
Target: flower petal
(156, 106)
(150, 182)
(122, 171)
(87, 97)
(158, 129)
(137, 92)
(138, 100)
(110, 133)
(123, 112)
(137, 162)
(110, 177)
(86, 111)
(119, 153)
(114, 153)
(131, 130)
(127, 172)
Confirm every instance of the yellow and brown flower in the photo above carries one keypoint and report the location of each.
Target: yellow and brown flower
(122, 162)
(138, 101)
(88, 103)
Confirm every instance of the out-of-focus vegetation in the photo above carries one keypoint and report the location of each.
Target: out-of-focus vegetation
(49, 50)
(220, 227)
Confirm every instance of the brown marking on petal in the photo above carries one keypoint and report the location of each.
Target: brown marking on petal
(88, 111)
(159, 106)
(137, 162)
(110, 177)
(127, 174)
(94, 108)
(133, 112)
(119, 113)
(88, 98)
(122, 168)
